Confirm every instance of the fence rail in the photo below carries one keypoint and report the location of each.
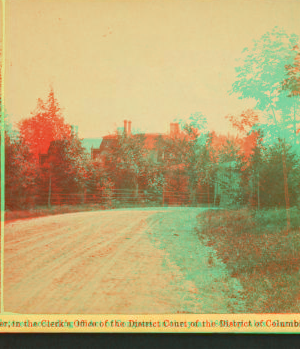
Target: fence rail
(124, 197)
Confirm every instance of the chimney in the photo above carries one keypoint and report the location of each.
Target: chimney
(176, 129)
(171, 129)
(125, 127)
(129, 128)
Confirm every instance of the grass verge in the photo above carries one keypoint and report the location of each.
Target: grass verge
(260, 252)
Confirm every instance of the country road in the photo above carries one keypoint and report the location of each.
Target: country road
(115, 262)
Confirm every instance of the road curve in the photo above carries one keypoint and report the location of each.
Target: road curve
(115, 262)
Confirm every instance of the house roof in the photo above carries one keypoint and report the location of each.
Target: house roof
(152, 138)
(59, 143)
(110, 141)
(55, 147)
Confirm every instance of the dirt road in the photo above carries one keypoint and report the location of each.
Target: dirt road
(115, 262)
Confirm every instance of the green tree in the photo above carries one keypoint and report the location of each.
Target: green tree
(94, 180)
(67, 170)
(260, 77)
(188, 148)
(292, 85)
(262, 74)
(129, 161)
(272, 191)
(249, 138)
(21, 175)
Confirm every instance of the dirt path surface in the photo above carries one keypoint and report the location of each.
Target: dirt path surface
(115, 262)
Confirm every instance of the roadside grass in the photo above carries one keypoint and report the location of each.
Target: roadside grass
(260, 252)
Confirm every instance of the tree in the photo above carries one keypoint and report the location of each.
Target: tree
(46, 132)
(45, 125)
(94, 180)
(272, 191)
(188, 148)
(248, 135)
(264, 77)
(128, 161)
(66, 170)
(196, 120)
(244, 122)
(252, 163)
(261, 76)
(292, 85)
(21, 175)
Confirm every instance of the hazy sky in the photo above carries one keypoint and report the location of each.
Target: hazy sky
(148, 61)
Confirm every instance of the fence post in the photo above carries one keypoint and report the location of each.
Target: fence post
(49, 191)
(215, 196)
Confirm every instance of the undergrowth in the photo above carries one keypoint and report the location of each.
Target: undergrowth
(260, 252)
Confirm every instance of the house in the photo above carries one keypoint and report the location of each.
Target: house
(54, 151)
(153, 142)
(158, 150)
(107, 145)
(56, 148)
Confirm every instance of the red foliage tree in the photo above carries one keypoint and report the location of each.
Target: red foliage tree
(45, 125)
(244, 123)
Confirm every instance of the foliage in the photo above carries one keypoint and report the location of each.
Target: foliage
(95, 174)
(267, 74)
(272, 191)
(292, 81)
(21, 174)
(262, 76)
(190, 155)
(128, 160)
(197, 121)
(66, 167)
(45, 125)
(260, 253)
(156, 183)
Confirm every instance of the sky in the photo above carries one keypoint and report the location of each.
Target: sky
(145, 61)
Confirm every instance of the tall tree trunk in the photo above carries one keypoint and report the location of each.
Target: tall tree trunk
(192, 196)
(286, 189)
(208, 198)
(83, 196)
(136, 191)
(215, 194)
(295, 125)
(258, 199)
(286, 192)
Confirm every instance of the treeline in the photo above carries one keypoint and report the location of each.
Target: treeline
(47, 164)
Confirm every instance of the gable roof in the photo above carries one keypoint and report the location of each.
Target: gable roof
(108, 142)
(151, 140)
